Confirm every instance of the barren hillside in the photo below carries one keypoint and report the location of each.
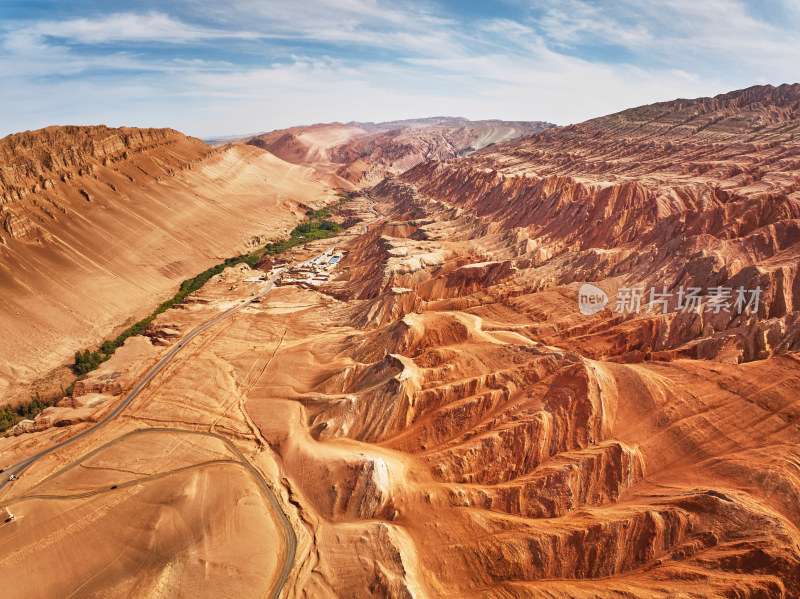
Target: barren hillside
(363, 153)
(466, 432)
(99, 225)
(434, 415)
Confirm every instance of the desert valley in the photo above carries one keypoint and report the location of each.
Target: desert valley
(409, 399)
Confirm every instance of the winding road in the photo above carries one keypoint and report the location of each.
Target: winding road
(19, 467)
(291, 539)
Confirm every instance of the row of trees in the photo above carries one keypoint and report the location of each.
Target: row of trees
(315, 227)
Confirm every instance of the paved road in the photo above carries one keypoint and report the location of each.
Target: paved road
(291, 538)
(20, 467)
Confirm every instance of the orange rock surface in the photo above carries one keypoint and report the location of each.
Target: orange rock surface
(99, 225)
(439, 419)
(364, 153)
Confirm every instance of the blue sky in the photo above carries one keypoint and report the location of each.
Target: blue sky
(241, 66)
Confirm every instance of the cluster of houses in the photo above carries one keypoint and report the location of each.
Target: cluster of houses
(312, 273)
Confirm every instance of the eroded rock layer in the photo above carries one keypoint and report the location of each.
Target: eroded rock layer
(439, 419)
(99, 225)
(364, 153)
(519, 448)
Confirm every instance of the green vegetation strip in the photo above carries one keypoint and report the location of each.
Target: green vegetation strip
(314, 227)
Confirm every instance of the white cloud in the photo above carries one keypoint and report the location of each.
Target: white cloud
(576, 21)
(721, 35)
(404, 26)
(128, 27)
(314, 61)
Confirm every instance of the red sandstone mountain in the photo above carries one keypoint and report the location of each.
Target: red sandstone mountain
(685, 193)
(560, 455)
(370, 151)
(98, 225)
(305, 144)
(440, 420)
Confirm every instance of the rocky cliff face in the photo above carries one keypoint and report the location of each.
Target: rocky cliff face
(34, 160)
(37, 168)
(625, 201)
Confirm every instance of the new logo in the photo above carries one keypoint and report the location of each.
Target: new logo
(591, 299)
